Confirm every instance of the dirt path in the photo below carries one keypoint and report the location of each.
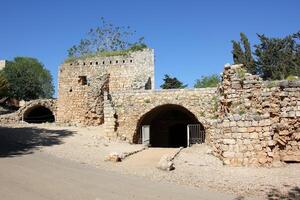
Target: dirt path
(39, 176)
(194, 166)
(147, 158)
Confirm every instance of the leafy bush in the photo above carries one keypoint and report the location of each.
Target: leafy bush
(207, 81)
(172, 83)
(107, 37)
(137, 47)
(3, 86)
(292, 78)
(28, 79)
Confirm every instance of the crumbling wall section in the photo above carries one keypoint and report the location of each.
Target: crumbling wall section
(259, 120)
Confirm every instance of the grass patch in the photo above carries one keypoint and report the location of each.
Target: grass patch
(241, 73)
(125, 52)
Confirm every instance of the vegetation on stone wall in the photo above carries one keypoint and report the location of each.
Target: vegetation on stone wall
(28, 79)
(108, 40)
(172, 83)
(207, 81)
(134, 48)
(272, 59)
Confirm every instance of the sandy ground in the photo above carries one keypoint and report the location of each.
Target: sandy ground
(40, 176)
(194, 166)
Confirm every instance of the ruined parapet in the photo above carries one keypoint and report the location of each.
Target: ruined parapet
(239, 91)
(259, 120)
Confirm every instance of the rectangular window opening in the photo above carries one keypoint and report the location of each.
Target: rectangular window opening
(82, 80)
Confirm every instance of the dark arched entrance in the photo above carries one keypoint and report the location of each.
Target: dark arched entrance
(38, 114)
(168, 126)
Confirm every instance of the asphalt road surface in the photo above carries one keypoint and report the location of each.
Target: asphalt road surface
(40, 176)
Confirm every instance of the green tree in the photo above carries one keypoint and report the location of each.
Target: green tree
(237, 52)
(172, 83)
(207, 81)
(107, 37)
(3, 86)
(243, 55)
(28, 79)
(278, 58)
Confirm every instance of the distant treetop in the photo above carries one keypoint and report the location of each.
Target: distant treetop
(272, 59)
(105, 38)
(172, 83)
(207, 81)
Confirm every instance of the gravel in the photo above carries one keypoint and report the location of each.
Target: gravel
(194, 166)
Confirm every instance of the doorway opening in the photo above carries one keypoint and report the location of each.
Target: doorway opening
(38, 114)
(167, 126)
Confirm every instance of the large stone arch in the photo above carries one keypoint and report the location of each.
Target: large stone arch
(38, 111)
(179, 115)
(129, 107)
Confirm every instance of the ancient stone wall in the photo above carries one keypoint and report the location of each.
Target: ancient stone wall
(259, 120)
(131, 106)
(82, 84)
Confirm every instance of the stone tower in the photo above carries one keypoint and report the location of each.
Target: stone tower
(82, 84)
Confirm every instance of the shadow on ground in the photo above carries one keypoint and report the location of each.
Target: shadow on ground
(285, 193)
(24, 140)
(291, 194)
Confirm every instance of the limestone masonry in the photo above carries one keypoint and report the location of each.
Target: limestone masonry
(82, 84)
(246, 120)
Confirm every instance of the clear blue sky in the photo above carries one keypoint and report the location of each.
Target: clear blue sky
(190, 38)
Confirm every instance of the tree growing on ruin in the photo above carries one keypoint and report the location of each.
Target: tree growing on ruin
(207, 81)
(28, 79)
(172, 83)
(107, 37)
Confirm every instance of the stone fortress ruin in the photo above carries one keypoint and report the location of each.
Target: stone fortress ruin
(246, 121)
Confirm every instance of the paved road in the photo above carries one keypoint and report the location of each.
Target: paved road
(40, 176)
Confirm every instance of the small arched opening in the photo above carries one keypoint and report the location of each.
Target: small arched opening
(167, 126)
(38, 114)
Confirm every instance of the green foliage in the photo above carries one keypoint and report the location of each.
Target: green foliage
(215, 103)
(3, 86)
(137, 47)
(243, 55)
(107, 38)
(28, 79)
(237, 52)
(172, 83)
(242, 111)
(270, 84)
(215, 106)
(241, 72)
(275, 58)
(207, 81)
(292, 78)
